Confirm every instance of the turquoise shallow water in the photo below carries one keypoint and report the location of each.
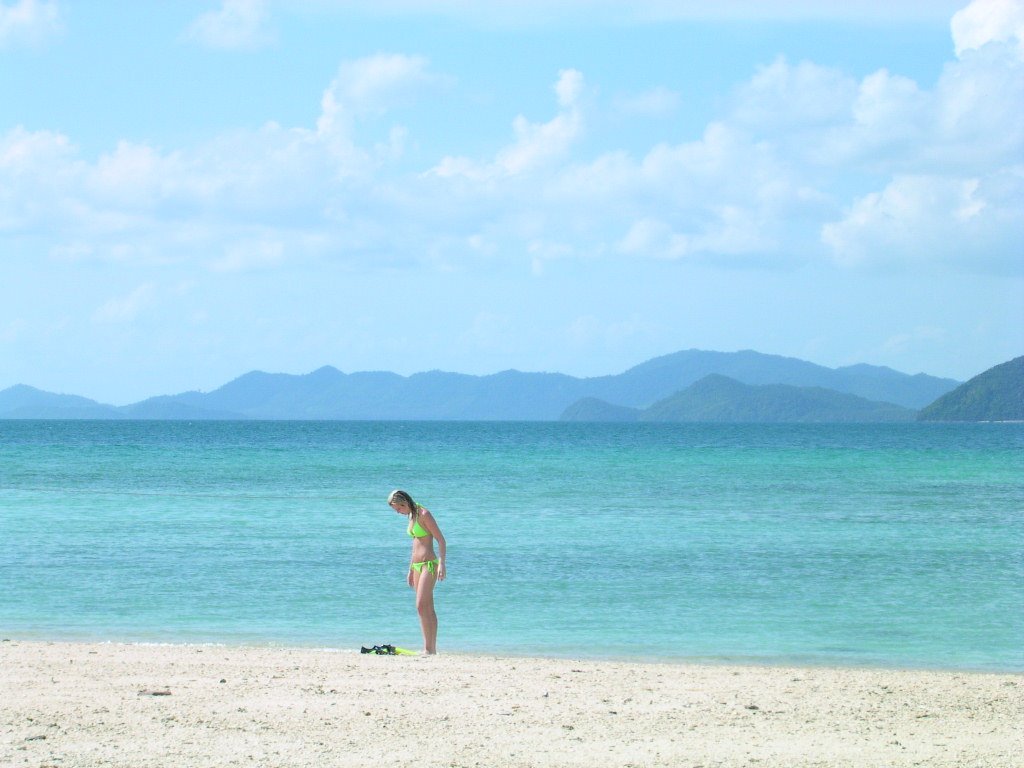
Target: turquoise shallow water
(896, 545)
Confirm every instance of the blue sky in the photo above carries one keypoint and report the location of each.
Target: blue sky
(193, 190)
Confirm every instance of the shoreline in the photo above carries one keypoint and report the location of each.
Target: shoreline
(79, 704)
(789, 662)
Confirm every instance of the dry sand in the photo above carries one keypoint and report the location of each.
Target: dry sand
(70, 704)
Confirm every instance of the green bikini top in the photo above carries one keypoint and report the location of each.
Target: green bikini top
(417, 531)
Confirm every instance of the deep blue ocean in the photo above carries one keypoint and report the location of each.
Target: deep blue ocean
(887, 545)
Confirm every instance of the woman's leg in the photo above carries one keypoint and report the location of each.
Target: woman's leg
(424, 585)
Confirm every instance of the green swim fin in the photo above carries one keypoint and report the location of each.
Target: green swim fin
(387, 650)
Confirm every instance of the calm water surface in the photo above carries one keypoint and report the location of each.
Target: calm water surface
(841, 544)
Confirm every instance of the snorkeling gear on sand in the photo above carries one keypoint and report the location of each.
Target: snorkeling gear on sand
(386, 650)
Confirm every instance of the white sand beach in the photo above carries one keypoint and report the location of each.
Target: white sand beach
(70, 705)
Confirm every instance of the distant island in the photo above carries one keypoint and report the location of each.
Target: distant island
(994, 395)
(717, 398)
(686, 385)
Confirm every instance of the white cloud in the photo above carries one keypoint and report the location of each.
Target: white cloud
(890, 115)
(37, 168)
(536, 144)
(975, 116)
(25, 152)
(782, 96)
(955, 192)
(929, 218)
(27, 21)
(134, 175)
(947, 161)
(651, 237)
(725, 195)
(805, 162)
(987, 21)
(124, 309)
(366, 88)
(237, 24)
(138, 202)
(370, 86)
(725, 231)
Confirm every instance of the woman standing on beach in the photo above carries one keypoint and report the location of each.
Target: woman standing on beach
(425, 568)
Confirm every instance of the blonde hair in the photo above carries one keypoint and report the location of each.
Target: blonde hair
(402, 497)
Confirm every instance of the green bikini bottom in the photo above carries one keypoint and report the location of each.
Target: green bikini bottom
(430, 565)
